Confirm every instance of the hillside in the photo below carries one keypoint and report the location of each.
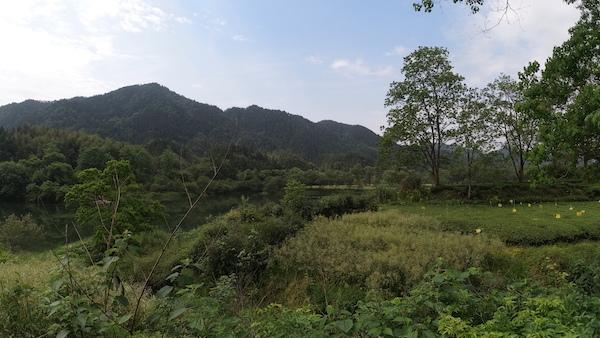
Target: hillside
(142, 113)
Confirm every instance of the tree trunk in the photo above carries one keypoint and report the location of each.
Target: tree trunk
(469, 160)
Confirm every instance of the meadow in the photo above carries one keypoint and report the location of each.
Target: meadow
(407, 270)
(515, 223)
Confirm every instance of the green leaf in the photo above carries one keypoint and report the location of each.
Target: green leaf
(124, 318)
(344, 325)
(330, 310)
(108, 261)
(177, 312)
(172, 276)
(121, 299)
(164, 291)
(62, 334)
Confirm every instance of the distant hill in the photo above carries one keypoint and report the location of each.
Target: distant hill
(150, 112)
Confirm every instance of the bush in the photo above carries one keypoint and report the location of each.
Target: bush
(296, 201)
(20, 313)
(4, 255)
(411, 183)
(19, 232)
(338, 205)
(241, 242)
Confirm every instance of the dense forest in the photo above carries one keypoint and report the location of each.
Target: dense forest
(475, 214)
(152, 114)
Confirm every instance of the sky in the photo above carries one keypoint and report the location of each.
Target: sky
(324, 60)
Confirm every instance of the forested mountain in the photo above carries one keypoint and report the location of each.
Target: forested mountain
(151, 112)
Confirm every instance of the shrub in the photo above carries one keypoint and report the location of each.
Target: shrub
(296, 201)
(338, 205)
(241, 242)
(4, 255)
(410, 183)
(19, 232)
(20, 312)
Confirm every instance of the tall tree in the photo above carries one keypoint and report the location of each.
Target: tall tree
(515, 124)
(423, 105)
(567, 97)
(472, 130)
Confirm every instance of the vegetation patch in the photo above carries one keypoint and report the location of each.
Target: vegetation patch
(517, 223)
(383, 251)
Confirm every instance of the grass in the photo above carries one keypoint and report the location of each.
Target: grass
(380, 251)
(521, 224)
(31, 269)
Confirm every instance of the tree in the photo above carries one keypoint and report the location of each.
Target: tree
(19, 232)
(93, 157)
(512, 120)
(474, 5)
(295, 200)
(423, 105)
(472, 130)
(13, 180)
(428, 5)
(110, 201)
(567, 97)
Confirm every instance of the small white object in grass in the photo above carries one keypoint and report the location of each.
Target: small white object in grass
(514, 210)
(499, 205)
(478, 231)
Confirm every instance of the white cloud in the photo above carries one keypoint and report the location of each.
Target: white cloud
(313, 60)
(51, 46)
(359, 68)
(209, 20)
(492, 42)
(240, 38)
(397, 51)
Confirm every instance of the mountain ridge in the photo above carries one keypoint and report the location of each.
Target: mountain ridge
(145, 112)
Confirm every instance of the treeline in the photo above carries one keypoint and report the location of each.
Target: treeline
(39, 164)
(546, 122)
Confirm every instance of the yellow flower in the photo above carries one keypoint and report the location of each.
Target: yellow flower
(514, 210)
(557, 216)
(579, 213)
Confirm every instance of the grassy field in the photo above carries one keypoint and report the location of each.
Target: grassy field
(519, 223)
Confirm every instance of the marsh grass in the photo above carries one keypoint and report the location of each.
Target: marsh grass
(380, 251)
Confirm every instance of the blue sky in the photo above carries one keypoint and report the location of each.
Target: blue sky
(321, 59)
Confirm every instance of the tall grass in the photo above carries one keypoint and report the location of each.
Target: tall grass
(381, 251)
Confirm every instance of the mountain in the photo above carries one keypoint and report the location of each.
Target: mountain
(149, 112)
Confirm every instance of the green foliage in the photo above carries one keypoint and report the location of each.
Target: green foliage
(338, 205)
(110, 201)
(241, 243)
(423, 105)
(21, 313)
(295, 200)
(13, 180)
(19, 232)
